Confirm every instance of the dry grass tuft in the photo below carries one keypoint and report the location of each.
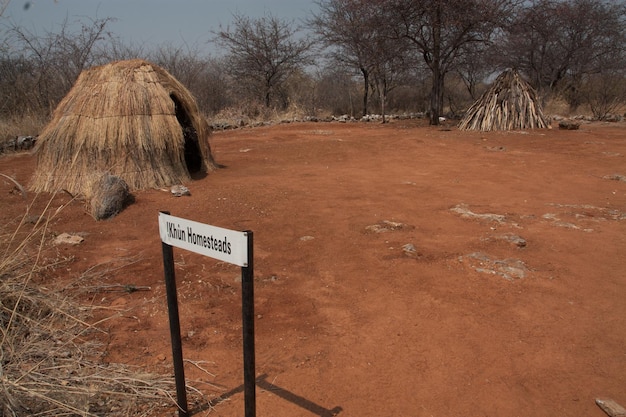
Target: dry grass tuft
(50, 357)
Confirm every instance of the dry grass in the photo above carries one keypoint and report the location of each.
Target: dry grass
(28, 125)
(251, 113)
(50, 357)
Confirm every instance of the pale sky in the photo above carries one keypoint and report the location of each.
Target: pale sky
(153, 22)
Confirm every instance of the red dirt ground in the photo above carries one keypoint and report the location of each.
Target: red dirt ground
(469, 323)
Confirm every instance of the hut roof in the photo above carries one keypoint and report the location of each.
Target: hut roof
(131, 119)
(510, 103)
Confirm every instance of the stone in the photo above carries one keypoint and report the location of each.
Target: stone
(466, 213)
(615, 177)
(109, 196)
(387, 226)
(180, 190)
(67, 239)
(25, 142)
(610, 407)
(409, 250)
(569, 125)
(509, 268)
(515, 240)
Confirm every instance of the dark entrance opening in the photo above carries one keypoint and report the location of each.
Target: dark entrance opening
(193, 155)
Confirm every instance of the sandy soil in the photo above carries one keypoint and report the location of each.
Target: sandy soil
(400, 270)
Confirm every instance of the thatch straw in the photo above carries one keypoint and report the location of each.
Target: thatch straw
(509, 104)
(122, 118)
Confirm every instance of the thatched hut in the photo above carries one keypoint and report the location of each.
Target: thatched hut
(131, 119)
(509, 104)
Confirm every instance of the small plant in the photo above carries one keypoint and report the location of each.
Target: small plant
(606, 95)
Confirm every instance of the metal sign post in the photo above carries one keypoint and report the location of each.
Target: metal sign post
(247, 309)
(226, 245)
(177, 348)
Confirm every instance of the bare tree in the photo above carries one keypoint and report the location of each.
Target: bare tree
(440, 29)
(605, 93)
(389, 65)
(605, 90)
(205, 77)
(357, 35)
(3, 6)
(476, 63)
(345, 27)
(558, 43)
(57, 58)
(16, 82)
(184, 64)
(212, 91)
(116, 50)
(336, 90)
(263, 53)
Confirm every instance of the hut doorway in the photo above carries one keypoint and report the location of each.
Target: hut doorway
(193, 155)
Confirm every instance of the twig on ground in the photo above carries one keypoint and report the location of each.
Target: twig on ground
(17, 184)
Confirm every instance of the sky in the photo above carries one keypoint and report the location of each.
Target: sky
(153, 22)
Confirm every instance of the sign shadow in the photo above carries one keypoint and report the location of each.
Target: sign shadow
(283, 393)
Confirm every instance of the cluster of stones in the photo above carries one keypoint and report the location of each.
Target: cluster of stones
(344, 118)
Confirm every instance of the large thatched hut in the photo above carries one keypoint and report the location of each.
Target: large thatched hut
(131, 119)
(509, 104)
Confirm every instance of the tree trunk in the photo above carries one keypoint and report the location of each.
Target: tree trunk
(267, 98)
(383, 100)
(382, 88)
(436, 93)
(351, 103)
(366, 86)
(436, 96)
(268, 91)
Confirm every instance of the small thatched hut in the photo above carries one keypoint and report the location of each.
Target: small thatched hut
(131, 119)
(510, 103)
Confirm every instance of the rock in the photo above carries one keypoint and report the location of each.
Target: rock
(180, 190)
(509, 269)
(613, 118)
(516, 240)
(67, 239)
(615, 177)
(25, 142)
(343, 118)
(18, 143)
(409, 249)
(610, 407)
(386, 226)
(466, 213)
(569, 125)
(109, 196)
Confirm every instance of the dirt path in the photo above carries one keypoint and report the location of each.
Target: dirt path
(400, 270)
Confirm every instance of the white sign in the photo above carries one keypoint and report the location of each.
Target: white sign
(223, 244)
